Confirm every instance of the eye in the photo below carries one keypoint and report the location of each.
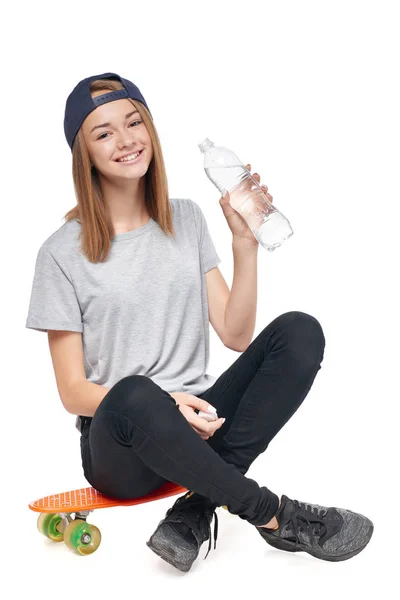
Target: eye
(103, 134)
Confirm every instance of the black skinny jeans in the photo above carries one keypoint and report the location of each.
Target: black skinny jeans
(138, 439)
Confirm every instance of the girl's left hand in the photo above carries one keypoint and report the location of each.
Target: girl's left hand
(237, 224)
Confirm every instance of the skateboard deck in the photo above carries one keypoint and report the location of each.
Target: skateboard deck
(56, 523)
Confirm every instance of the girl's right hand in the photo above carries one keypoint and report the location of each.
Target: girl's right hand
(187, 405)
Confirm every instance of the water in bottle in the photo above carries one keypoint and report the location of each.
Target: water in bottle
(269, 226)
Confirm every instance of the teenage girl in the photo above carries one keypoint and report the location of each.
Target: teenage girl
(126, 289)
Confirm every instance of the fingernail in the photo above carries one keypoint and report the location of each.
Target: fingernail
(223, 421)
(211, 409)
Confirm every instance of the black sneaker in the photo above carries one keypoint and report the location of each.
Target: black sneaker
(186, 526)
(332, 533)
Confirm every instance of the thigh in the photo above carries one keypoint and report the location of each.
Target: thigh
(109, 462)
(289, 330)
(227, 391)
(285, 336)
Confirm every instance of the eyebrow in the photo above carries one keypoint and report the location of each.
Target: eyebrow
(109, 124)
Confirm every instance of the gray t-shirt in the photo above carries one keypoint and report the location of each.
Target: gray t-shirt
(143, 311)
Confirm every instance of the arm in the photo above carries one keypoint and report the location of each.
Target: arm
(83, 397)
(78, 395)
(240, 311)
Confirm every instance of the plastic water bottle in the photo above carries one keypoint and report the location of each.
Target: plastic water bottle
(269, 226)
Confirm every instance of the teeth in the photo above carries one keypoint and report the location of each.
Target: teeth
(130, 157)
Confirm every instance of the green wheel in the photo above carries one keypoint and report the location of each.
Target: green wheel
(82, 537)
(51, 525)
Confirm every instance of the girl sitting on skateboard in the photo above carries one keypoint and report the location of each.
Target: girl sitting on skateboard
(126, 289)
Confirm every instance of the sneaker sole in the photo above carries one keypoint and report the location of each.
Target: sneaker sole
(166, 555)
(281, 544)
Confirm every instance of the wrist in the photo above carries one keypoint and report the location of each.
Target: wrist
(247, 243)
(178, 396)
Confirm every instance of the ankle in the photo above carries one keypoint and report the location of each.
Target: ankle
(273, 523)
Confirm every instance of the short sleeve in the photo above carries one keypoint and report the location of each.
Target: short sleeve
(209, 255)
(53, 303)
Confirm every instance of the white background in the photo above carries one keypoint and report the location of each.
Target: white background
(307, 92)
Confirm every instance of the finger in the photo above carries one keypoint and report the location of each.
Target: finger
(264, 188)
(199, 403)
(205, 427)
(200, 424)
(212, 427)
(225, 197)
(215, 425)
(203, 436)
(193, 420)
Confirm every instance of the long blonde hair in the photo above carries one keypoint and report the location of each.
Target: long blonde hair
(92, 211)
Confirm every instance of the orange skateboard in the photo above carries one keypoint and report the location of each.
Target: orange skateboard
(56, 521)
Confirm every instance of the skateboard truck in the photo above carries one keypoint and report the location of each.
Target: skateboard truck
(57, 523)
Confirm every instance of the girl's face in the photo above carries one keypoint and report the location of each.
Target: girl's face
(114, 130)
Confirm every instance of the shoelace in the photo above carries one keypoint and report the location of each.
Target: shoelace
(215, 533)
(197, 514)
(312, 517)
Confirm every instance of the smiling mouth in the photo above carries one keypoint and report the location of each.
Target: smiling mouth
(125, 160)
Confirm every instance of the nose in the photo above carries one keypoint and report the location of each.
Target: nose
(125, 142)
(125, 139)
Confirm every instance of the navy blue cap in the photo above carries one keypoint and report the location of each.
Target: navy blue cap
(80, 102)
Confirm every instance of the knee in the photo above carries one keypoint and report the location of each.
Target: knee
(300, 323)
(133, 392)
(138, 383)
(304, 334)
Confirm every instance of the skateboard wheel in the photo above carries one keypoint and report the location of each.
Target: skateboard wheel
(48, 523)
(82, 537)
